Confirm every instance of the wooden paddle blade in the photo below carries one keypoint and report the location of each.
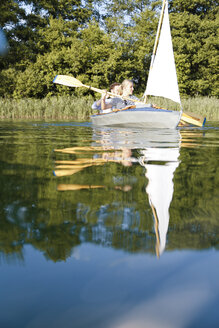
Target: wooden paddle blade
(69, 81)
(193, 119)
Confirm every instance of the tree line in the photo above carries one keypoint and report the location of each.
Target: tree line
(100, 42)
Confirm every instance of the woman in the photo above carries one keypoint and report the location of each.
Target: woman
(127, 91)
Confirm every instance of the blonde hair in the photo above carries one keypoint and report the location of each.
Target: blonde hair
(125, 83)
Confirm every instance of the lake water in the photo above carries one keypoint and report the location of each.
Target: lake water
(113, 228)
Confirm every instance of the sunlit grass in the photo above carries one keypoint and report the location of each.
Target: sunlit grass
(66, 107)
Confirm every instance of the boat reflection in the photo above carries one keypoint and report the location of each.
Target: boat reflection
(156, 151)
(160, 151)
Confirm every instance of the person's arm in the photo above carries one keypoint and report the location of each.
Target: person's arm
(104, 104)
(97, 105)
(133, 97)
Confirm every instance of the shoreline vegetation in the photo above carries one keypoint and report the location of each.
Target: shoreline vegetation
(68, 107)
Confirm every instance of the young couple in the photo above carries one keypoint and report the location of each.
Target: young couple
(125, 89)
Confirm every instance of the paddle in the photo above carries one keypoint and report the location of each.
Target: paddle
(192, 118)
(71, 81)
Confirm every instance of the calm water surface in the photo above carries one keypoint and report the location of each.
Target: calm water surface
(113, 228)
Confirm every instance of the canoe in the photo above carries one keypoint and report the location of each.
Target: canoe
(141, 117)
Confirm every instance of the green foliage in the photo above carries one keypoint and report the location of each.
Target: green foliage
(195, 41)
(100, 42)
(89, 56)
(199, 7)
(11, 12)
(7, 82)
(76, 10)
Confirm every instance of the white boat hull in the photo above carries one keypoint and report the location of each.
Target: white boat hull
(145, 117)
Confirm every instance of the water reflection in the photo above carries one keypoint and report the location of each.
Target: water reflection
(102, 191)
(157, 151)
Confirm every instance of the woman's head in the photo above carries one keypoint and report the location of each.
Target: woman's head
(127, 87)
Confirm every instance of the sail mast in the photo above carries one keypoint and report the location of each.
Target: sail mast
(158, 33)
(156, 42)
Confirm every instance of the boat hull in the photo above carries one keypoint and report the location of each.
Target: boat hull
(145, 117)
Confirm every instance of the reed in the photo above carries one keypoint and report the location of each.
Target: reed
(55, 108)
(205, 106)
(67, 107)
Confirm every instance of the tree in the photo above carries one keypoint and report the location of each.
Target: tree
(27, 29)
(89, 56)
(195, 40)
(101, 42)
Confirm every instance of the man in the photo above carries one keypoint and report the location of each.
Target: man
(100, 104)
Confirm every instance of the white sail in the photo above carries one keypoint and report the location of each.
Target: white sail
(162, 79)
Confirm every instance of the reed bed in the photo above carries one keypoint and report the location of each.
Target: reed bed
(66, 107)
(55, 108)
(204, 106)
(208, 107)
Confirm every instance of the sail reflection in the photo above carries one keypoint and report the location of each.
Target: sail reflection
(157, 151)
(160, 187)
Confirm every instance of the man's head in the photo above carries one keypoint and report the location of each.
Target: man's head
(115, 88)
